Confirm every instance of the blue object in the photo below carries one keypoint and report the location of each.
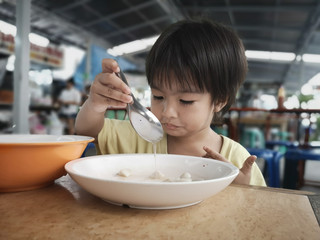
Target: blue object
(272, 159)
(89, 146)
(287, 144)
(303, 154)
(97, 55)
(292, 157)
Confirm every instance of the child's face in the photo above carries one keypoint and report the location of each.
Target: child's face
(182, 113)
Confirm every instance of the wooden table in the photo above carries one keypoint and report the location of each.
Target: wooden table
(66, 211)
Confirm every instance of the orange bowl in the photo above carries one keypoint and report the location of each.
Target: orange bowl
(34, 161)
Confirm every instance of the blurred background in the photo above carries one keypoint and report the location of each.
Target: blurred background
(44, 43)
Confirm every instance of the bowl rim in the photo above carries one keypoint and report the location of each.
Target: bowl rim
(233, 174)
(77, 139)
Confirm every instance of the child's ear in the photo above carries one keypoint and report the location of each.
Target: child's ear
(219, 106)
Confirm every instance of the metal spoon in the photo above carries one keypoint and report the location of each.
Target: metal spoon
(143, 121)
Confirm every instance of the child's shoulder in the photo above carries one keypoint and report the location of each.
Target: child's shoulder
(231, 147)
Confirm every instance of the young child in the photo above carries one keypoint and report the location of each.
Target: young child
(194, 69)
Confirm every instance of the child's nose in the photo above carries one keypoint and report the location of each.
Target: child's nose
(169, 110)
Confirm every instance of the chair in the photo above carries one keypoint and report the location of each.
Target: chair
(280, 141)
(293, 158)
(272, 159)
(252, 137)
(288, 144)
(111, 114)
(122, 114)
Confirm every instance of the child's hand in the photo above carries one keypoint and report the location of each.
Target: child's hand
(244, 173)
(108, 89)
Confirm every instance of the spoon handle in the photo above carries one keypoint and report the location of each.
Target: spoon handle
(122, 77)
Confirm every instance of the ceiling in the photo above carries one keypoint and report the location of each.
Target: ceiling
(268, 25)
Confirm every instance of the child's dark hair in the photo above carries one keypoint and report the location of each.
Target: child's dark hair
(201, 54)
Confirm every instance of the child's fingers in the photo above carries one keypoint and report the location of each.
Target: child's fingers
(214, 154)
(111, 92)
(247, 165)
(114, 82)
(108, 78)
(110, 66)
(111, 86)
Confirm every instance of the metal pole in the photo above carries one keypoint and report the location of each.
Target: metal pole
(21, 68)
(88, 64)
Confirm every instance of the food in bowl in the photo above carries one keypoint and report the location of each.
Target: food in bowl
(99, 176)
(34, 161)
(158, 176)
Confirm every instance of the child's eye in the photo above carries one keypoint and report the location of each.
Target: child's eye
(157, 97)
(186, 102)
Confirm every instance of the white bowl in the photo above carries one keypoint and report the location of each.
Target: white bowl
(99, 176)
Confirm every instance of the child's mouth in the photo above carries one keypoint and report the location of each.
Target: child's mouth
(170, 126)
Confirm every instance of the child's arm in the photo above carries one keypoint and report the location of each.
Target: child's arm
(106, 90)
(244, 175)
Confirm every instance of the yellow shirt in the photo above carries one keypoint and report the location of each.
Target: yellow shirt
(118, 136)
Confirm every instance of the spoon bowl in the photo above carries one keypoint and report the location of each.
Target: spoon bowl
(145, 123)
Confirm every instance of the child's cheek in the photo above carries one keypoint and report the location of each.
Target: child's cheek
(156, 110)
